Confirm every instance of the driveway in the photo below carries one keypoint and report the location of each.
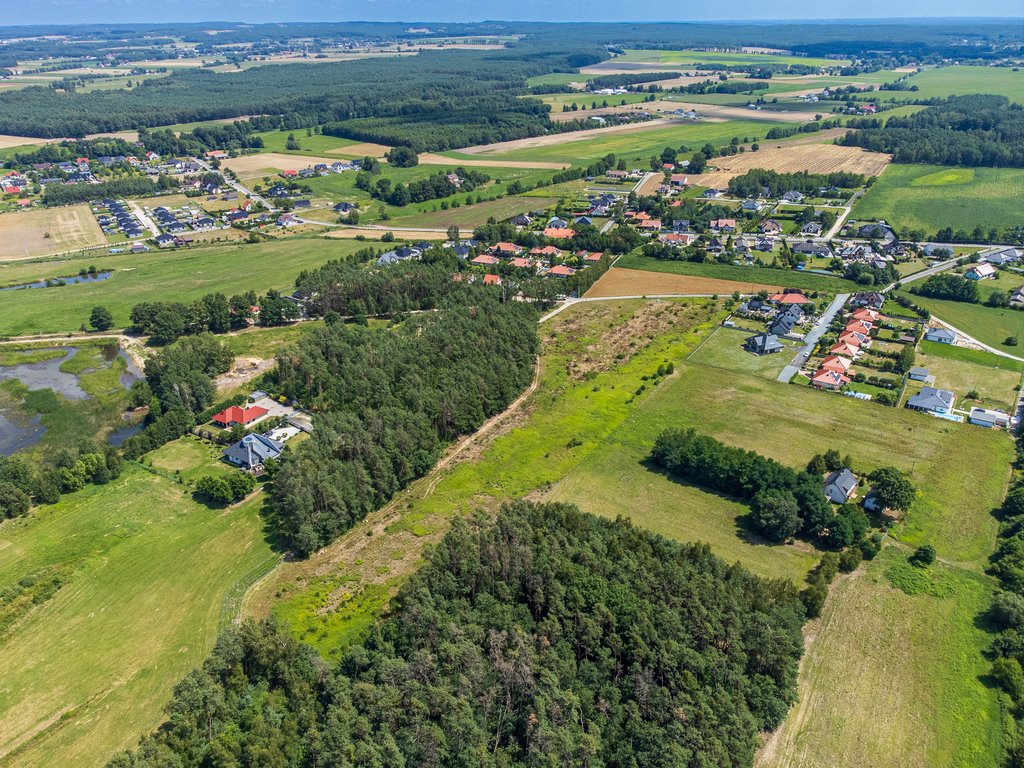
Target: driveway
(811, 339)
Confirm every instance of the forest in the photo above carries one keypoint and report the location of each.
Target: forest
(950, 287)
(547, 637)
(974, 130)
(134, 186)
(439, 88)
(386, 401)
(432, 187)
(754, 182)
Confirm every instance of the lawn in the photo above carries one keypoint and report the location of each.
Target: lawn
(316, 145)
(934, 349)
(181, 275)
(987, 324)
(931, 197)
(724, 350)
(940, 82)
(189, 458)
(786, 278)
(996, 387)
(145, 574)
(471, 216)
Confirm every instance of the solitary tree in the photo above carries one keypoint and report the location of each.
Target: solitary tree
(101, 319)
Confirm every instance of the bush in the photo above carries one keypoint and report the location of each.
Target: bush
(923, 556)
(850, 559)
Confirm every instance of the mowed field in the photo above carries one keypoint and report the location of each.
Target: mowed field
(940, 82)
(24, 234)
(735, 274)
(932, 197)
(182, 275)
(250, 166)
(146, 572)
(636, 282)
(813, 158)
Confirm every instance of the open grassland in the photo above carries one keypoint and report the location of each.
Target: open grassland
(318, 144)
(932, 350)
(724, 350)
(181, 275)
(24, 234)
(690, 57)
(471, 216)
(635, 143)
(940, 82)
(996, 388)
(812, 158)
(894, 679)
(931, 197)
(251, 166)
(785, 278)
(145, 571)
(986, 324)
(618, 281)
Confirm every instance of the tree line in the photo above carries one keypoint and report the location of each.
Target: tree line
(507, 649)
(758, 182)
(432, 187)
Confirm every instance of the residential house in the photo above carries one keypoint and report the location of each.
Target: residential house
(252, 452)
(832, 380)
(234, 416)
(836, 363)
(871, 299)
(164, 241)
(983, 417)
(678, 180)
(492, 280)
(613, 174)
(507, 250)
(650, 225)
(521, 220)
(919, 374)
(751, 205)
(845, 349)
(932, 400)
(557, 223)
(811, 228)
(868, 315)
(547, 252)
(715, 246)
(982, 271)
(858, 326)
(940, 335)
(1017, 297)
(344, 207)
(485, 260)
(770, 227)
(1004, 256)
(813, 249)
(585, 221)
(722, 225)
(764, 244)
(559, 233)
(561, 271)
(521, 263)
(763, 344)
(840, 486)
(789, 298)
(793, 196)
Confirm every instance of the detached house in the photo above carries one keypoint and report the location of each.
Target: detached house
(932, 400)
(840, 486)
(763, 344)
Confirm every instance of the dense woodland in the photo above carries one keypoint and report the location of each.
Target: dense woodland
(758, 182)
(964, 130)
(548, 637)
(385, 402)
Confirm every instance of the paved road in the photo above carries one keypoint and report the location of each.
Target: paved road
(923, 273)
(143, 218)
(812, 337)
(238, 187)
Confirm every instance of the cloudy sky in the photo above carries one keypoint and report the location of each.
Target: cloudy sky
(75, 11)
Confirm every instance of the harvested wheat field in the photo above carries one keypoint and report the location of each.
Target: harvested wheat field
(249, 166)
(20, 141)
(635, 282)
(363, 149)
(561, 138)
(813, 158)
(24, 234)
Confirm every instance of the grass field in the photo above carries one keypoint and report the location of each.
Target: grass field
(987, 324)
(470, 216)
(931, 197)
(88, 671)
(635, 146)
(690, 58)
(181, 275)
(995, 387)
(785, 278)
(940, 82)
(933, 349)
(724, 350)
(41, 231)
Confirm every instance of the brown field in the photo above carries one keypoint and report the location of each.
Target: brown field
(23, 234)
(365, 149)
(429, 158)
(634, 282)
(250, 166)
(789, 158)
(20, 141)
(562, 138)
(735, 113)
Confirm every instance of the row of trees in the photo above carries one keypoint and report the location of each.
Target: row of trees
(432, 187)
(948, 286)
(755, 182)
(548, 637)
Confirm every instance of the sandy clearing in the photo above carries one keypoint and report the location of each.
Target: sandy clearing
(247, 164)
(7, 141)
(564, 138)
(365, 149)
(790, 158)
(428, 158)
(635, 282)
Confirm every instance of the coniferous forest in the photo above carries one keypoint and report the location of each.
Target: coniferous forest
(549, 637)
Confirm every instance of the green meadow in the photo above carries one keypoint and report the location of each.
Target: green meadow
(785, 278)
(180, 275)
(931, 197)
(940, 82)
(691, 57)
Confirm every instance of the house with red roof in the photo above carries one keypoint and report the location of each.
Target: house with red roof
(492, 280)
(520, 263)
(235, 416)
(770, 227)
(593, 257)
(548, 251)
(650, 225)
(216, 154)
(832, 380)
(789, 298)
(723, 225)
(561, 271)
(678, 180)
(678, 238)
(853, 337)
(858, 326)
(867, 315)
(507, 249)
(486, 260)
(836, 363)
(290, 173)
(845, 349)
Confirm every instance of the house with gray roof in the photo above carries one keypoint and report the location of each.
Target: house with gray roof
(840, 486)
(253, 451)
(941, 335)
(763, 344)
(932, 400)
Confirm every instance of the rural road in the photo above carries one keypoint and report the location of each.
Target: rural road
(923, 273)
(143, 217)
(812, 337)
(237, 186)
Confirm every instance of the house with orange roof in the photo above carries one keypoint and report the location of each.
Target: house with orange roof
(234, 415)
(559, 233)
(592, 257)
(829, 380)
(650, 225)
(561, 271)
(678, 238)
(845, 349)
(521, 263)
(853, 337)
(507, 249)
(485, 260)
(859, 326)
(770, 227)
(492, 280)
(836, 363)
(548, 251)
(789, 298)
(867, 315)
(723, 225)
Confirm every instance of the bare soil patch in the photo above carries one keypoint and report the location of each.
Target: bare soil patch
(364, 149)
(24, 234)
(790, 158)
(635, 282)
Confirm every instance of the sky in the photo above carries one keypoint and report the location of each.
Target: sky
(93, 11)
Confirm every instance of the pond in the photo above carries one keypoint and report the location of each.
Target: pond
(47, 375)
(94, 277)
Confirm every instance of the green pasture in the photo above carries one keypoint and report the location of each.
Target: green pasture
(785, 278)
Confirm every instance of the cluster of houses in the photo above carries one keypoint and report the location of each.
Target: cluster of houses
(252, 452)
(784, 313)
(118, 218)
(14, 183)
(833, 373)
(547, 261)
(321, 169)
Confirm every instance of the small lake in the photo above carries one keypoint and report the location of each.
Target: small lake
(52, 282)
(17, 434)
(47, 375)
